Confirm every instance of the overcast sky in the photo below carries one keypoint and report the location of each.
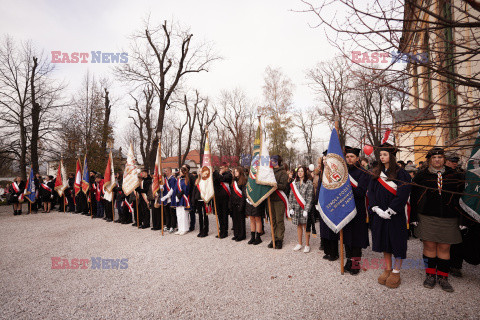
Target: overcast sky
(249, 35)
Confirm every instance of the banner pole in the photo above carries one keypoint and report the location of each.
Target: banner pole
(341, 231)
(29, 207)
(136, 205)
(216, 215)
(271, 221)
(113, 207)
(161, 216)
(91, 209)
(64, 202)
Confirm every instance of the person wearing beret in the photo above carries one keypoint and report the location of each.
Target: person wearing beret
(435, 206)
(355, 233)
(388, 194)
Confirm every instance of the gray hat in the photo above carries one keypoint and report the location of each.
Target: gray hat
(410, 168)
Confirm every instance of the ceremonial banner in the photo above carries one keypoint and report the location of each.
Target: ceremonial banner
(109, 176)
(335, 201)
(130, 175)
(470, 201)
(158, 172)
(30, 191)
(85, 177)
(77, 185)
(206, 182)
(61, 181)
(261, 178)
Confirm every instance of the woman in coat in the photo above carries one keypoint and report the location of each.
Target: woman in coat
(300, 201)
(15, 195)
(435, 206)
(182, 191)
(388, 193)
(46, 193)
(237, 203)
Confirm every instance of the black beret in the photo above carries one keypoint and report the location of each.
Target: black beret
(388, 147)
(355, 151)
(434, 151)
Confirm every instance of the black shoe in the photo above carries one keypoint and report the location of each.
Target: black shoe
(154, 229)
(124, 222)
(117, 221)
(333, 258)
(457, 273)
(258, 240)
(278, 244)
(326, 257)
(200, 235)
(348, 265)
(134, 224)
(204, 235)
(222, 236)
(444, 284)
(429, 281)
(234, 238)
(240, 239)
(252, 239)
(191, 229)
(270, 245)
(354, 272)
(109, 220)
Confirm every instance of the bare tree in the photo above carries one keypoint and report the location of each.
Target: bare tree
(142, 120)
(190, 109)
(277, 92)
(164, 56)
(205, 118)
(307, 120)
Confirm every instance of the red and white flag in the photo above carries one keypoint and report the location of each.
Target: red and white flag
(77, 186)
(109, 177)
(130, 174)
(157, 174)
(61, 181)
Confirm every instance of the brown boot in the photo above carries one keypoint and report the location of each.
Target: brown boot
(393, 280)
(383, 277)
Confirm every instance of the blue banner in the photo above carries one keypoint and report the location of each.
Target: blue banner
(85, 177)
(335, 200)
(30, 187)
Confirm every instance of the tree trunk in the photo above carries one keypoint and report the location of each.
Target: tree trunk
(35, 121)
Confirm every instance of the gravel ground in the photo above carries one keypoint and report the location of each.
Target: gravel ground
(184, 277)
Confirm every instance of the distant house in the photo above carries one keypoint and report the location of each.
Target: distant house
(192, 159)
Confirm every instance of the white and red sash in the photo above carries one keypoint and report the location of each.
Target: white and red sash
(179, 185)
(353, 182)
(129, 205)
(16, 188)
(44, 186)
(226, 187)
(284, 199)
(297, 195)
(392, 188)
(167, 184)
(237, 190)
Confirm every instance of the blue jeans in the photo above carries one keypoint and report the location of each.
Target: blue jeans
(100, 209)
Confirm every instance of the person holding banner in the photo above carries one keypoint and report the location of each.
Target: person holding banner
(98, 195)
(279, 200)
(15, 193)
(435, 206)
(200, 206)
(355, 233)
(299, 203)
(143, 203)
(221, 182)
(182, 191)
(237, 203)
(46, 193)
(168, 200)
(388, 194)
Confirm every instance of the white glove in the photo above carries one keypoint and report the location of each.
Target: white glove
(414, 224)
(162, 199)
(161, 187)
(305, 213)
(178, 200)
(382, 214)
(291, 213)
(51, 197)
(390, 212)
(462, 227)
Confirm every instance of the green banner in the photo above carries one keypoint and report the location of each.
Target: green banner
(470, 201)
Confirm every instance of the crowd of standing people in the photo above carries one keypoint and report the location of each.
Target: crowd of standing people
(388, 205)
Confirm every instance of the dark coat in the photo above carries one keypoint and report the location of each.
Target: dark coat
(426, 200)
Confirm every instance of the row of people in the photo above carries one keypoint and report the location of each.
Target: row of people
(385, 200)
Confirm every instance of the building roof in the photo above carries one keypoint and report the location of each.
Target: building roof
(413, 115)
(193, 157)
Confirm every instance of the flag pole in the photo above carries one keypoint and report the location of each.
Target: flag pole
(161, 216)
(342, 271)
(271, 221)
(63, 201)
(136, 206)
(216, 215)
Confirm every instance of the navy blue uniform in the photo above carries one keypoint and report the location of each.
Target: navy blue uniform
(390, 235)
